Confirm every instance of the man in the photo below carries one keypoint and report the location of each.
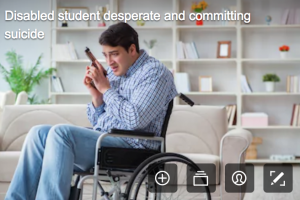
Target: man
(134, 95)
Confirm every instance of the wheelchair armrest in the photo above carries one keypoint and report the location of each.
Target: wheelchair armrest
(132, 132)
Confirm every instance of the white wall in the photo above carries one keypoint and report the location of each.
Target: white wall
(29, 49)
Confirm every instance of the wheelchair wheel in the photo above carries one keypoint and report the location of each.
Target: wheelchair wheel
(143, 183)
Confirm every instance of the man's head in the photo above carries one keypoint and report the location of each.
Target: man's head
(120, 47)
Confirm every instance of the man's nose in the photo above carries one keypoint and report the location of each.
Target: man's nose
(109, 60)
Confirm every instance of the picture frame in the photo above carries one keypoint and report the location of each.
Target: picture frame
(205, 84)
(73, 23)
(224, 49)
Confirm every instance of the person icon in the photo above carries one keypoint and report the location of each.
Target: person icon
(239, 178)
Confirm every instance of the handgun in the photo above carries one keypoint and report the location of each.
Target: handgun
(93, 60)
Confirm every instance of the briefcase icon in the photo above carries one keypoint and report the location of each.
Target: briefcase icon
(200, 179)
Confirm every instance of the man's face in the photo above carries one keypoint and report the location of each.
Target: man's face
(118, 58)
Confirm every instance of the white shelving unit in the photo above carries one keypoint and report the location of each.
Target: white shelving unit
(254, 53)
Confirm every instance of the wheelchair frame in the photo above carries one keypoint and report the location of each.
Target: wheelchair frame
(116, 189)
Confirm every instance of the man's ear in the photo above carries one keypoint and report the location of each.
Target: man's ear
(132, 49)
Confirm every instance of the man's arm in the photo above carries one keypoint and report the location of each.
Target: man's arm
(93, 112)
(96, 107)
(147, 101)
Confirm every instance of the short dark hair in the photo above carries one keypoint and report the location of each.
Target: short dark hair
(120, 34)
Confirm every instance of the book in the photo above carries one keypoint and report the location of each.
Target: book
(293, 84)
(245, 86)
(187, 50)
(295, 119)
(231, 114)
(182, 82)
(64, 51)
(57, 84)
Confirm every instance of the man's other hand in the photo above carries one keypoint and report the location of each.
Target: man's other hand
(101, 82)
(97, 97)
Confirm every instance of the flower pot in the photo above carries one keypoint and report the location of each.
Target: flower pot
(270, 86)
(283, 54)
(150, 52)
(199, 22)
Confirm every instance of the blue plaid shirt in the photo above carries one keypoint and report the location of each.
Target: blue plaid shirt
(136, 101)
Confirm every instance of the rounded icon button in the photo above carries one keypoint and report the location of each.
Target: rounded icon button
(162, 178)
(239, 178)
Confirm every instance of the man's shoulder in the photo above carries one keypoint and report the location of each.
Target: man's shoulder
(153, 66)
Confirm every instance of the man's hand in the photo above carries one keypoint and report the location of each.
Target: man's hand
(97, 97)
(101, 82)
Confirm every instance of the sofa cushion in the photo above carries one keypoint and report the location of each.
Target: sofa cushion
(205, 159)
(8, 164)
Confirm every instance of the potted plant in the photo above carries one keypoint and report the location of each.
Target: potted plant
(198, 8)
(20, 78)
(284, 49)
(270, 80)
(150, 45)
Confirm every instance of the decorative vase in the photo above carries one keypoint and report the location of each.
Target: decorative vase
(101, 24)
(283, 54)
(150, 52)
(140, 22)
(268, 19)
(270, 86)
(199, 22)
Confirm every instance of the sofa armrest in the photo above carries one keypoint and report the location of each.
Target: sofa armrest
(233, 145)
(232, 150)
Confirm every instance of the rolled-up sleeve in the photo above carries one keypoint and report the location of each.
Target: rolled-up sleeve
(94, 113)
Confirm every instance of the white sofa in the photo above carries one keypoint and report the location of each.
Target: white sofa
(202, 129)
(6, 98)
(9, 98)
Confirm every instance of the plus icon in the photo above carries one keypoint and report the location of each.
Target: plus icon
(163, 176)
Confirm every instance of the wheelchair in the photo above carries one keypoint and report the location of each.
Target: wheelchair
(135, 169)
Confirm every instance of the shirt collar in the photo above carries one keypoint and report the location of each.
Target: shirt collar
(143, 56)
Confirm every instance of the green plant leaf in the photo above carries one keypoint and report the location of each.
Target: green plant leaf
(271, 77)
(22, 78)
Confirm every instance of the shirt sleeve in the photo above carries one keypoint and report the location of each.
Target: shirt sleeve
(94, 113)
(147, 101)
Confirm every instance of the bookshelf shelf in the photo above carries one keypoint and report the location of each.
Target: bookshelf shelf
(271, 60)
(263, 161)
(69, 94)
(273, 127)
(210, 60)
(211, 93)
(207, 27)
(288, 26)
(77, 61)
(153, 28)
(271, 94)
